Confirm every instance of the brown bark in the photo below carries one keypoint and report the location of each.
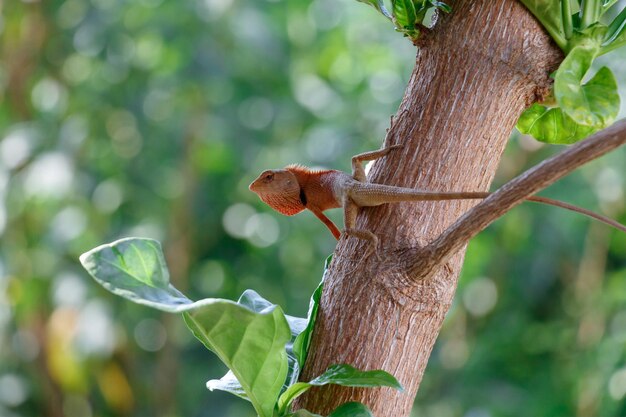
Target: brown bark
(473, 77)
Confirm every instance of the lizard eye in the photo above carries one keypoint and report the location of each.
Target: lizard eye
(269, 176)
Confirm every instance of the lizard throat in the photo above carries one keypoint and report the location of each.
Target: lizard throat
(286, 204)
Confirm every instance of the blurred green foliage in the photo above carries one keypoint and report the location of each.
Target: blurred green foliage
(150, 118)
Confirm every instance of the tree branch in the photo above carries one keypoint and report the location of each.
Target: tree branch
(513, 193)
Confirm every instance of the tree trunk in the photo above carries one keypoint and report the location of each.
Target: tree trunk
(473, 77)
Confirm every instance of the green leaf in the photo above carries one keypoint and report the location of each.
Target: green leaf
(248, 336)
(616, 30)
(349, 376)
(551, 125)
(251, 344)
(296, 348)
(351, 409)
(303, 413)
(134, 268)
(404, 13)
(228, 383)
(548, 12)
(378, 5)
(607, 4)
(344, 375)
(297, 325)
(303, 341)
(441, 6)
(594, 104)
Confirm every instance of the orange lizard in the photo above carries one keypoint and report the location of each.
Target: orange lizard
(295, 188)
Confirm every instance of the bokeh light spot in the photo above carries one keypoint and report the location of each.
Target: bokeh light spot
(17, 146)
(68, 224)
(69, 290)
(13, 390)
(158, 105)
(107, 196)
(95, 331)
(149, 51)
(210, 277)
(316, 95)
(88, 40)
(609, 186)
(50, 175)
(322, 143)
(150, 335)
(480, 296)
(262, 230)
(256, 113)
(235, 218)
(76, 69)
(617, 384)
(71, 13)
(211, 10)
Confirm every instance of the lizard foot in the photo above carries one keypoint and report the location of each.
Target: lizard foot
(358, 173)
(368, 236)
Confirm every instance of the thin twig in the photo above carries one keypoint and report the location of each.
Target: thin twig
(513, 193)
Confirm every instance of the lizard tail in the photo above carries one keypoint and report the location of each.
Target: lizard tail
(583, 211)
(368, 194)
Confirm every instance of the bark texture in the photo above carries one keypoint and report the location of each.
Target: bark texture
(473, 77)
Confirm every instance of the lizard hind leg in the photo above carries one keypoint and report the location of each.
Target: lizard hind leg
(350, 210)
(358, 172)
(371, 238)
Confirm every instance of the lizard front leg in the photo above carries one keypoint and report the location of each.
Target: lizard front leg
(331, 226)
(350, 211)
(358, 172)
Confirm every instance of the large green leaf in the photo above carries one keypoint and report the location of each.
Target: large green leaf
(248, 336)
(296, 348)
(255, 302)
(344, 375)
(551, 125)
(135, 269)
(229, 382)
(595, 103)
(548, 12)
(251, 344)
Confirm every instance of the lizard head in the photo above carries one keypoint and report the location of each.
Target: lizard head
(279, 189)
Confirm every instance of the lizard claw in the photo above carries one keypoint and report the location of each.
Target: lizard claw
(369, 237)
(394, 147)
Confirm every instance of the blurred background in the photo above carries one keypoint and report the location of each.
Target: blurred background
(150, 118)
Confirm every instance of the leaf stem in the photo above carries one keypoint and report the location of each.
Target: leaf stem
(566, 15)
(590, 12)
